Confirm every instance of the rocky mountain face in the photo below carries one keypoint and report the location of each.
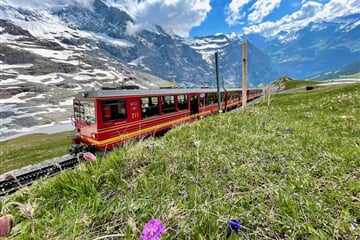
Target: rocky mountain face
(230, 59)
(149, 49)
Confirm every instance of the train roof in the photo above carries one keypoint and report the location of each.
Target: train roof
(146, 92)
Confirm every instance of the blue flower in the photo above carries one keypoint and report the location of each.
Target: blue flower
(233, 225)
(152, 145)
(264, 124)
(288, 130)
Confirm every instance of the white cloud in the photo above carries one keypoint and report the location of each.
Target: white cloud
(310, 11)
(337, 8)
(179, 16)
(261, 9)
(233, 11)
(45, 4)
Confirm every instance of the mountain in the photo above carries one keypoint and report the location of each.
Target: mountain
(39, 77)
(319, 47)
(229, 48)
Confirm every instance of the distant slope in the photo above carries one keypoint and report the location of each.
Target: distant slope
(286, 83)
(349, 71)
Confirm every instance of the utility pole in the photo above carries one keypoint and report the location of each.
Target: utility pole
(218, 81)
(244, 75)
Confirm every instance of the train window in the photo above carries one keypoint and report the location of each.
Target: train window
(232, 96)
(168, 104)
(202, 99)
(182, 102)
(238, 95)
(85, 110)
(212, 98)
(113, 110)
(223, 96)
(149, 106)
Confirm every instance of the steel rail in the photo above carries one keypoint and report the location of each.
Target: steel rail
(12, 183)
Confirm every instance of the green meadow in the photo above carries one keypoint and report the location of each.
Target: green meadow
(286, 168)
(32, 149)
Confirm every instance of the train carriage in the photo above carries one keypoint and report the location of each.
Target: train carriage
(104, 119)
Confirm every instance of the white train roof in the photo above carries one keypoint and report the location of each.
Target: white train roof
(149, 92)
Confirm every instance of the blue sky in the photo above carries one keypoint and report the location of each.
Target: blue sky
(218, 20)
(189, 18)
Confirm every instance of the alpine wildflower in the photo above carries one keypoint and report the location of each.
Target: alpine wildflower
(88, 156)
(233, 225)
(153, 230)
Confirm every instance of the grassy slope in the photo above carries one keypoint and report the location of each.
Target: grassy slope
(34, 148)
(297, 177)
(286, 83)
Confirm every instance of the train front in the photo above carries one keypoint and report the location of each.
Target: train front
(84, 120)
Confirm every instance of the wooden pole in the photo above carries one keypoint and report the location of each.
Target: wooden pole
(244, 74)
(218, 81)
(269, 96)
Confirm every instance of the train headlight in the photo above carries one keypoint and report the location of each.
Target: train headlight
(93, 135)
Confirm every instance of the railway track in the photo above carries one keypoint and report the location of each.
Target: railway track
(12, 181)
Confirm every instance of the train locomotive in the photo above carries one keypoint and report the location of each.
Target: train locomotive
(107, 118)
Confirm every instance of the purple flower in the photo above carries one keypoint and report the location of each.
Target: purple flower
(264, 124)
(288, 130)
(152, 145)
(232, 225)
(153, 230)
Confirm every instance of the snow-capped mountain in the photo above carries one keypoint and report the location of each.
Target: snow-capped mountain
(39, 77)
(317, 48)
(229, 48)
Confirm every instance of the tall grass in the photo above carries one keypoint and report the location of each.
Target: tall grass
(287, 171)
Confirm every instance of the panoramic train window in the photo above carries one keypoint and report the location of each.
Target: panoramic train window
(202, 99)
(85, 110)
(182, 102)
(168, 104)
(149, 106)
(222, 98)
(113, 110)
(212, 98)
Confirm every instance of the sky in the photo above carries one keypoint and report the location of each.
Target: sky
(190, 18)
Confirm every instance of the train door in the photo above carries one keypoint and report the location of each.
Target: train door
(133, 106)
(194, 104)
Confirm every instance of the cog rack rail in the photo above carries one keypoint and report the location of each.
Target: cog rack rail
(13, 181)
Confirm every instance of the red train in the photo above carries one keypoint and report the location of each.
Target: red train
(105, 119)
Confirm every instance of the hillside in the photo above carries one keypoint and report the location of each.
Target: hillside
(349, 71)
(286, 83)
(284, 170)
